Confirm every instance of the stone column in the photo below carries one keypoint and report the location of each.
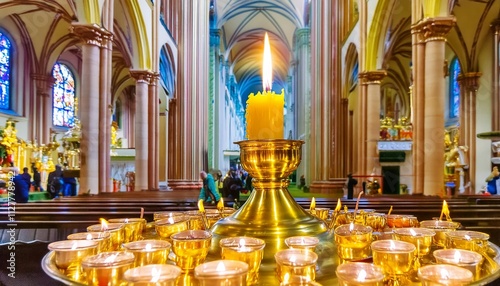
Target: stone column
(470, 84)
(91, 35)
(372, 80)
(44, 84)
(153, 117)
(213, 86)
(303, 93)
(435, 30)
(495, 95)
(189, 111)
(142, 78)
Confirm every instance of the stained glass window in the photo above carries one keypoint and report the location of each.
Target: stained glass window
(455, 70)
(5, 51)
(63, 96)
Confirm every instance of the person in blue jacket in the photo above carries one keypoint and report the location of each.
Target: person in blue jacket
(208, 192)
(491, 180)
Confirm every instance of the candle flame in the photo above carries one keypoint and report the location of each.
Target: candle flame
(220, 267)
(362, 275)
(457, 256)
(392, 245)
(74, 246)
(201, 208)
(339, 206)
(104, 224)
(89, 236)
(444, 274)
(111, 258)
(293, 259)
(313, 204)
(155, 275)
(351, 226)
(171, 220)
(241, 243)
(126, 220)
(267, 70)
(148, 247)
(286, 278)
(412, 232)
(445, 211)
(467, 237)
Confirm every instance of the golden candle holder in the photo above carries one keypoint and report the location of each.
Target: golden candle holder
(295, 262)
(444, 274)
(221, 273)
(441, 227)
(270, 213)
(149, 251)
(133, 227)
(246, 249)
(152, 275)
(359, 274)
(107, 268)
(116, 231)
(395, 257)
(469, 260)
(102, 237)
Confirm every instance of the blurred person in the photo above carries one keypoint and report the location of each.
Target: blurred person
(208, 192)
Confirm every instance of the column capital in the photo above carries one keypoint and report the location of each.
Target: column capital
(435, 29)
(470, 80)
(495, 26)
(91, 34)
(43, 82)
(373, 77)
(146, 76)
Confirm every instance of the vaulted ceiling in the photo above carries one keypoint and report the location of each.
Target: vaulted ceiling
(243, 24)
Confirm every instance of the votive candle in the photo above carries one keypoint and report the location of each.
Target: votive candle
(102, 237)
(246, 249)
(420, 237)
(353, 241)
(168, 226)
(116, 231)
(152, 275)
(302, 242)
(191, 248)
(401, 220)
(150, 251)
(393, 256)
(359, 274)
(468, 240)
(469, 260)
(441, 227)
(295, 262)
(70, 252)
(133, 227)
(221, 273)
(444, 274)
(107, 268)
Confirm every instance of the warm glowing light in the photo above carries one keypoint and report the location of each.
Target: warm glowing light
(171, 220)
(104, 224)
(457, 256)
(445, 274)
(313, 204)
(286, 278)
(126, 220)
(362, 275)
(412, 232)
(267, 68)
(392, 245)
(148, 247)
(467, 237)
(74, 246)
(111, 258)
(445, 211)
(220, 204)
(220, 267)
(351, 226)
(339, 206)
(89, 236)
(201, 208)
(293, 259)
(155, 274)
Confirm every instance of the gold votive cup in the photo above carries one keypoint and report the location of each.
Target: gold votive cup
(295, 262)
(69, 253)
(133, 227)
(299, 281)
(212, 218)
(444, 274)
(227, 212)
(358, 217)
(402, 220)
(195, 220)
(246, 249)
(116, 231)
(302, 242)
(359, 274)
(168, 226)
(353, 241)
(395, 257)
(222, 273)
(102, 237)
(107, 268)
(163, 215)
(152, 275)
(468, 240)
(420, 237)
(441, 227)
(321, 213)
(191, 248)
(377, 221)
(150, 251)
(469, 260)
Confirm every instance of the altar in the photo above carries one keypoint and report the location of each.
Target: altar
(122, 164)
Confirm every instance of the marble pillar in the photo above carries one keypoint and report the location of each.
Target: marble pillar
(92, 36)
(153, 117)
(495, 95)
(43, 101)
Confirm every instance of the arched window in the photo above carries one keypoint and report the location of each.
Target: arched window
(5, 66)
(455, 70)
(63, 96)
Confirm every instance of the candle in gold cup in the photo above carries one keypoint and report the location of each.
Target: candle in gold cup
(70, 252)
(163, 215)
(302, 242)
(468, 240)
(190, 248)
(353, 241)
(133, 227)
(420, 237)
(469, 260)
(246, 249)
(102, 237)
(168, 226)
(359, 274)
(402, 220)
(295, 262)
(395, 257)
(150, 251)
(441, 227)
(107, 268)
(152, 275)
(195, 220)
(444, 274)
(377, 221)
(221, 273)
(116, 231)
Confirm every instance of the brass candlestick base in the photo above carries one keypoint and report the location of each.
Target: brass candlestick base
(270, 213)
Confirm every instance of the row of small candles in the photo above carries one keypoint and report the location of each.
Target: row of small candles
(114, 252)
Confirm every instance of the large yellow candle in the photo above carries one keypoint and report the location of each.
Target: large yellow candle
(264, 114)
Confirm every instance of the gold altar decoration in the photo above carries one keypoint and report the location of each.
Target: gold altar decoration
(396, 130)
(270, 213)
